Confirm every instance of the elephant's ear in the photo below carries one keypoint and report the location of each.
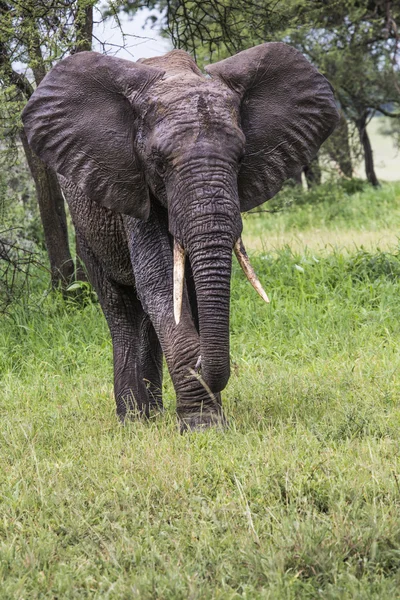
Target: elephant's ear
(287, 110)
(81, 122)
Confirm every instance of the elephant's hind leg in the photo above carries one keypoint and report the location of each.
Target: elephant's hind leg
(136, 349)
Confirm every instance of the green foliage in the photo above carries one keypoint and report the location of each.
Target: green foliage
(299, 498)
(355, 44)
(22, 248)
(19, 209)
(34, 35)
(39, 32)
(377, 267)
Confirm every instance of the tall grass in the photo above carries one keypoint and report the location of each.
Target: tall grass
(298, 498)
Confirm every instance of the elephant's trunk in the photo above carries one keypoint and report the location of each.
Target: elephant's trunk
(204, 216)
(211, 265)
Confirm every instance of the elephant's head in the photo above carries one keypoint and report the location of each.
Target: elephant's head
(132, 134)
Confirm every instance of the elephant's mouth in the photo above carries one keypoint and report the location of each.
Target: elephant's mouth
(179, 274)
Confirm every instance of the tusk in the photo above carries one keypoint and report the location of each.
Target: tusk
(198, 365)
(244, 262)
(179, 278)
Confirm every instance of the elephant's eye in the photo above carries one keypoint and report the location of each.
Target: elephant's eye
(160, 165)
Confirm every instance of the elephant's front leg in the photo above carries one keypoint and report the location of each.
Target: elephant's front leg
(136, 349)
(152, 261)
(137, 358)
(151, 363)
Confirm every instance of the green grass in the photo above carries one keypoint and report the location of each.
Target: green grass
(345, 217)
(299, 498)
(354, 207)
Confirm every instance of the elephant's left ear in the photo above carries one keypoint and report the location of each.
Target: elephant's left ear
(287, 110)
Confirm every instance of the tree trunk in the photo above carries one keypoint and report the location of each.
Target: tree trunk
(361, 124)
(84, 27)
(52, 212)
(84, 33)
(312, 173)
(297, 178)
(338, 147)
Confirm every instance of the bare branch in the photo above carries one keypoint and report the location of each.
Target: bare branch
(392, 115)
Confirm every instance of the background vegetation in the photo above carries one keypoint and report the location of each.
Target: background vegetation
(300, 497)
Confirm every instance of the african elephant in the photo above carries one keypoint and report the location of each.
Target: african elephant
(157, 161)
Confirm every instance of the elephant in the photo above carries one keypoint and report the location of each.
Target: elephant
(157, 160)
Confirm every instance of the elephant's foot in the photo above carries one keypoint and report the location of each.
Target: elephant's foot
(201, 422)
(201, 419)
(131, 407)
(155, 399)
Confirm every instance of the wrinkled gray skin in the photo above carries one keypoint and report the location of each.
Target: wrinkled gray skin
(154, 150)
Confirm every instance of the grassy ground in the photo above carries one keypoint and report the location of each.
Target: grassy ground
(343, 217)
(299, 498)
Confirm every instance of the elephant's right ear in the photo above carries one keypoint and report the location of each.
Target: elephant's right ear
(287, 109)
(81, 122)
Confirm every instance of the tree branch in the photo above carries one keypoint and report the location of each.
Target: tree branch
(20, 81)
(387, 113)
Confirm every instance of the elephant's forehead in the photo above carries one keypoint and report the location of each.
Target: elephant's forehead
(204, 100)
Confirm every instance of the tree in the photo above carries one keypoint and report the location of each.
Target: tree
(37, 33)
(355, 43)
(339, 149)
(392, 128)
(214, 29)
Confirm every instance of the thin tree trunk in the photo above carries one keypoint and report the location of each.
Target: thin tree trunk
(312, 173)
(338, 147)
(52, 212)
(84, 27)
(368, 154)
(84, 33)
(344, 155)
(297, 178)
